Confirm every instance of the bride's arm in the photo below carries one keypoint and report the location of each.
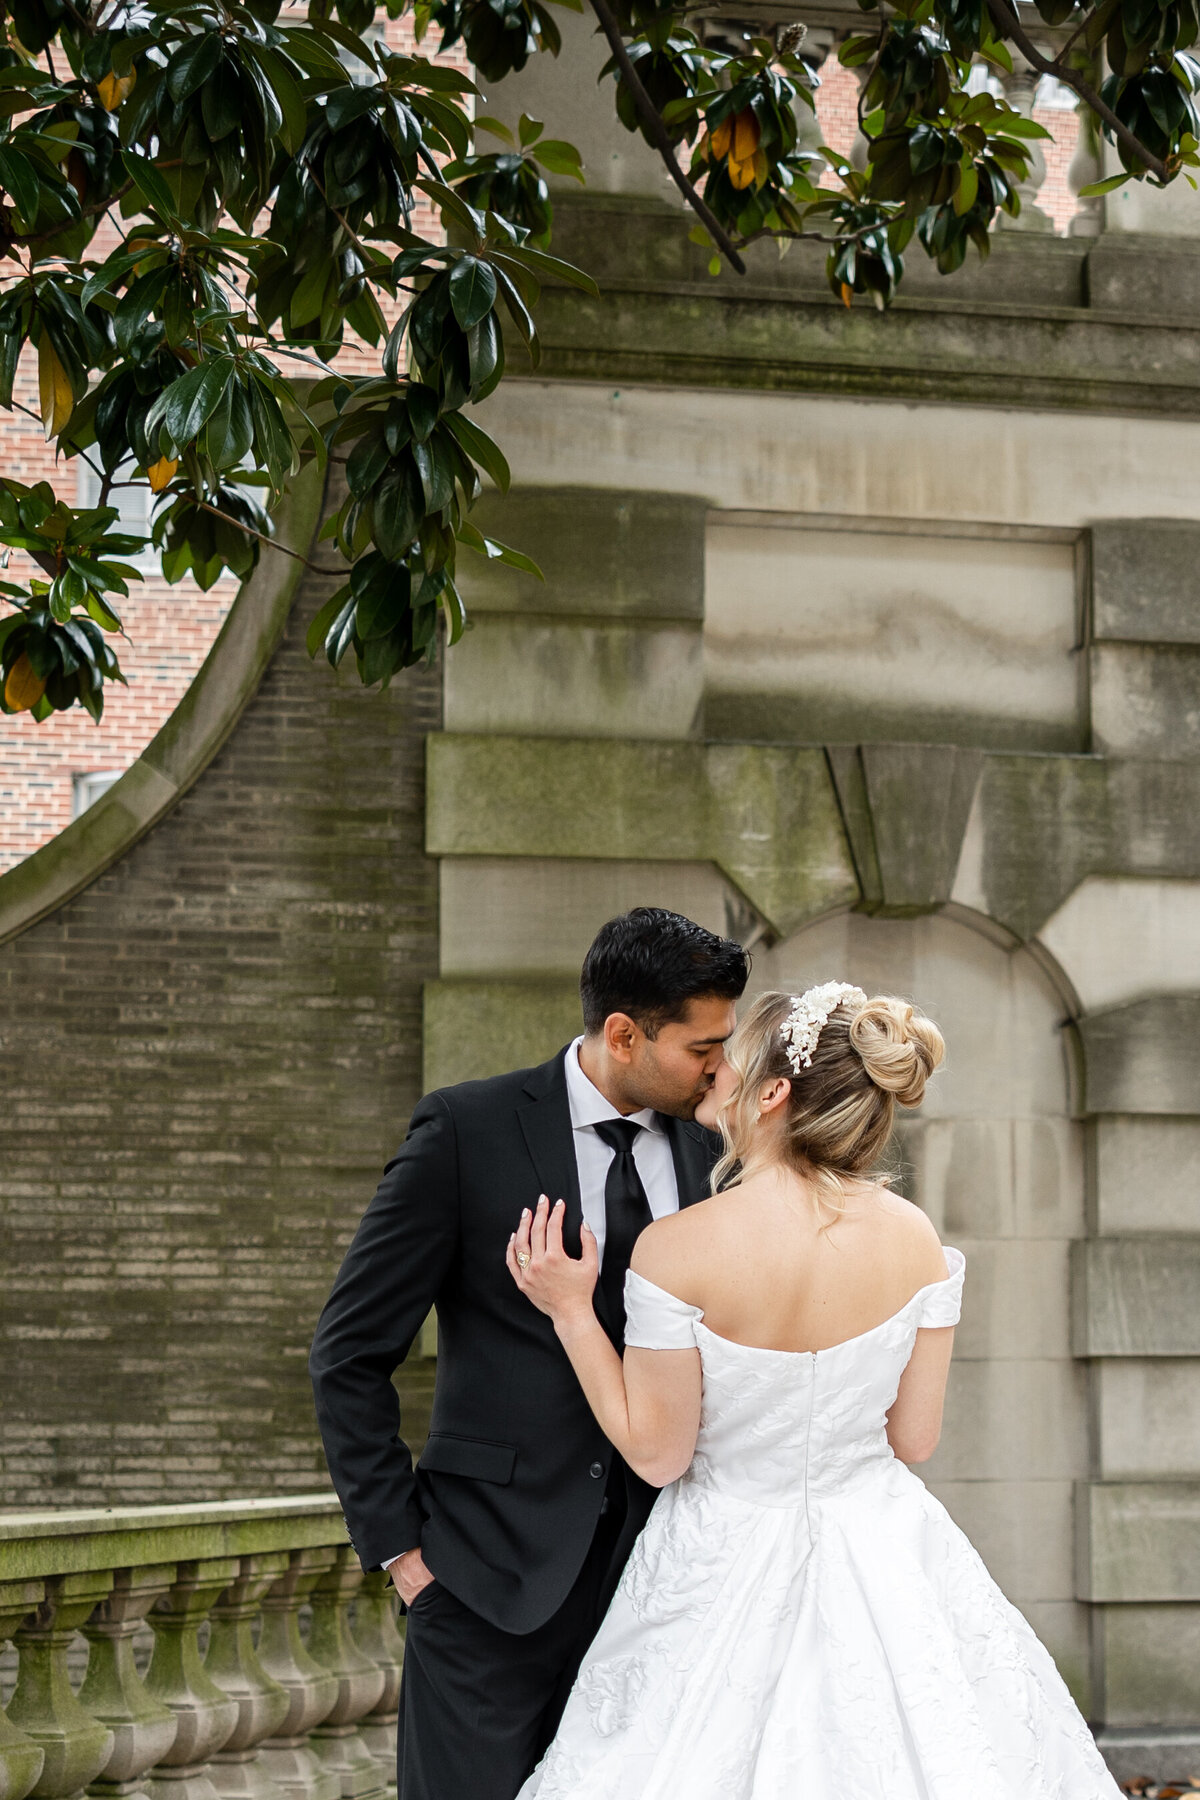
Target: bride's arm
(914, 1423)
(647, 1406)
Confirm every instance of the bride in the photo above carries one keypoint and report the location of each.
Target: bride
(800, 1618)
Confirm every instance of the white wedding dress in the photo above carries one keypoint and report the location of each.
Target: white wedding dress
(800, 1618)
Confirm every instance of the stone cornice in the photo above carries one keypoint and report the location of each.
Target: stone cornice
(1017, 331)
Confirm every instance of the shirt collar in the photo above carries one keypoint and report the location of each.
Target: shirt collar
(588, 1105)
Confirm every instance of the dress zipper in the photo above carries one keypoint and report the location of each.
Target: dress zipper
(812, 1396)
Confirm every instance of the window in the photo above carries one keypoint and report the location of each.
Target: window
(133, 504)
(89, 787)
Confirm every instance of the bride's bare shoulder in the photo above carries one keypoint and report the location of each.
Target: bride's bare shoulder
(677, 1251)
(914, 1235)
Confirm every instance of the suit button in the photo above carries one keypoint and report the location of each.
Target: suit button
(596, 1471)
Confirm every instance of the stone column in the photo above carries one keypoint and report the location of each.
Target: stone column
(205, 1716)
(338, 1742)
(376, 1633)
(20, 1758)
(113, 1691)
(43, 1705)
(311, 1690)
(237, 1771)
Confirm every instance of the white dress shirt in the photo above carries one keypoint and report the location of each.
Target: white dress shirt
(651, 1154)
(651, 1150)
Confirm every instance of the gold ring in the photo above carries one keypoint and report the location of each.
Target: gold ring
(523, 1259)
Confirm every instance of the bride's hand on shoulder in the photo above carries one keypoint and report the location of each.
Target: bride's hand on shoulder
(558, 1284)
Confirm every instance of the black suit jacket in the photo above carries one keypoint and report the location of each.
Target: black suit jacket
(505, 1498)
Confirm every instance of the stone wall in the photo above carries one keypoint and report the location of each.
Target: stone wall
(208, 1055)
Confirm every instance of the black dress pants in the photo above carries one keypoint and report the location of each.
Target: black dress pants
(478, 1706)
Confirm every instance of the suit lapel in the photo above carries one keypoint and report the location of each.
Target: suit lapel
(546, 1124)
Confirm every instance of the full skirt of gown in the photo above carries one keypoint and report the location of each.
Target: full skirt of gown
(800, 1618)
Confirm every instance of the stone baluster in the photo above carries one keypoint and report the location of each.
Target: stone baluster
(1020, 89)
(1084, 168)
(377, 1635)
(113, 1691)
(337, 1741)
(20, 1758)
(237, 1771)
(312, 1690)
(205, 1716)
(76, 1745)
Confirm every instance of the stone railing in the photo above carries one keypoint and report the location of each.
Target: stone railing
(228, 1652)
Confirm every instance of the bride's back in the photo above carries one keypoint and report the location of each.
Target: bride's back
(771, 1267)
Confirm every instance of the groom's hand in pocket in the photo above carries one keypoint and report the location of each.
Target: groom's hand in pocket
(410, 1575)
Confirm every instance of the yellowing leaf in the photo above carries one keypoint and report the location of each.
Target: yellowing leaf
(720, 138)
(24, 687)
(746, 133)
(741, 174)
(54, 389)
(847, 293)
(113, 88)
(160, 473)
(760, 167)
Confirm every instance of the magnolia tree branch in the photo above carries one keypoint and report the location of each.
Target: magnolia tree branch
(1005, 18)
(649, 115)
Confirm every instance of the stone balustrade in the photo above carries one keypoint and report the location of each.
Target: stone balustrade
(232, 1651)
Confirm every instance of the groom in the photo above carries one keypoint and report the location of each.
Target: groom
(507, 1540)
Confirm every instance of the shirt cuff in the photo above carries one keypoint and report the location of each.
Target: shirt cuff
(388, 1561)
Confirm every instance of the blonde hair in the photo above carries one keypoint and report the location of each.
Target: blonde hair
(871, 1057)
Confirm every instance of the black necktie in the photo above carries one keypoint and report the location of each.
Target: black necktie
(626, 1214)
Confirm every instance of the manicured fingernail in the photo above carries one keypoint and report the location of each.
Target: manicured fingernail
(558, 1204)
(525, 1214)
(543, 1202)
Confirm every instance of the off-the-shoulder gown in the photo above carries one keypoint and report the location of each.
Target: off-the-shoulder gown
(800, 1618)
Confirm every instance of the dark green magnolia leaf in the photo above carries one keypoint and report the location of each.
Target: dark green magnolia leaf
(193, 64)
(340, 635)
(366, 463)
(398, 508)
(423, 409)
(481, 449)
(381, 608)
(20, 181)
(150, 185)
(436, 473)
(190, 401)
(552, 266)
(319, 628)
(472, 291)
(287, 92)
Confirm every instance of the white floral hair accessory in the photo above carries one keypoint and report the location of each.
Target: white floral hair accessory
(810, 1012)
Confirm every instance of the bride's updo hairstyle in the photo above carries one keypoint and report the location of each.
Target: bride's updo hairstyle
(871, 1056)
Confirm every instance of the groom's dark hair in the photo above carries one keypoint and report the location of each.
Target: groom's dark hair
(649, 963)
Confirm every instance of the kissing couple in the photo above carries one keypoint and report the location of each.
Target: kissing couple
(662, 1542)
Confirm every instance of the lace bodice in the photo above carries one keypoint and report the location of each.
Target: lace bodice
(781, 1427)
